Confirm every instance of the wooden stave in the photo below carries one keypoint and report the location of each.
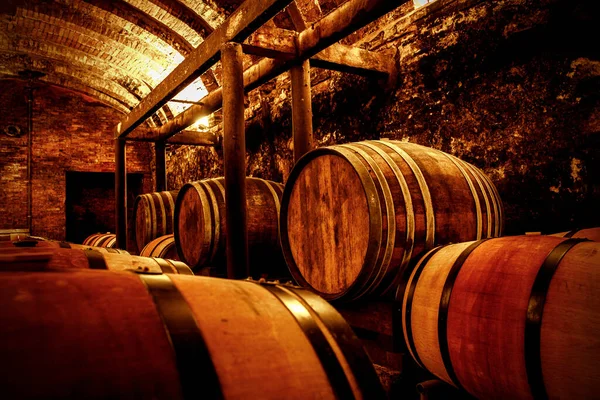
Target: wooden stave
(300, 372)
(161, 247)
(262, 238)
(153, 215)
(53, 258)
(485, 189)
(557, 375)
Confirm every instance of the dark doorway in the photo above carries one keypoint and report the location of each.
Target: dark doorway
(90, 203)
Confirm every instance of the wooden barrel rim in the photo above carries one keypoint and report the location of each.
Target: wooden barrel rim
(329, 361)
(410, 343)
(349, 345)
(191, 353)
(443, 310)
(315, 317)
(410, 217)
(535, 312)
(390, 215)
(396, 146)
(374, 216)
(478, 212)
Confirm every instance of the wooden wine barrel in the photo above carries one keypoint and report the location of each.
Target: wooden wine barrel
(52, 258)
(589, 233)
(354, 215)
(200, 228)
(162, 247)
(153, 215)
(93, 334)
(513, 317)
(101, 240)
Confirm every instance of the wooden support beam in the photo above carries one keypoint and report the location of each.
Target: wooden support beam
(247, 18)
(320, 35)
(121, 194)
(271, 42)
(161, 166)
(281, 44)
(196, 138)
(234, 163)
(302, 127)
(344, 20)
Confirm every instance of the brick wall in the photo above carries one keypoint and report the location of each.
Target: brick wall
(71, 132)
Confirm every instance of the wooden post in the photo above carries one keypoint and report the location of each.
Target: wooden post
(234, 164)
(301, 109)
(160, 149)
(120, 193)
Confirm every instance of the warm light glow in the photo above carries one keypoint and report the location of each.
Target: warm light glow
(191, 94)
(421, 3)
(202, 121)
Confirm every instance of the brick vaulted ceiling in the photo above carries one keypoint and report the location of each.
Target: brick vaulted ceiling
(116, 51)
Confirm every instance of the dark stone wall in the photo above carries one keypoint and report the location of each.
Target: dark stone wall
(512, 86)
(71, 132)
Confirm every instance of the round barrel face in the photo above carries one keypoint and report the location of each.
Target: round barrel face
(191, 225)
(328, 224)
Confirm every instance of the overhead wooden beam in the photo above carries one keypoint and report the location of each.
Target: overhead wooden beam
(281, 44)
(296, 16)
(234, 162)
(272, 42)
(195, 138)
(344, 20)
(247, 18)
(358, 13)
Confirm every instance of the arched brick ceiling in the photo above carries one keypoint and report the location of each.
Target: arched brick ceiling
(116, 51)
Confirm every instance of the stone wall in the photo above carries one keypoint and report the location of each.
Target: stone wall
(511, 86)
(71, 132)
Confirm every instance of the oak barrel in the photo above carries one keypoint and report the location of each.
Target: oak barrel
(153, 216)
(162, 247)
(52, 258)
(354, 215)
(513, 317)
(588, 233)
(93, 334)
(101, 240)
(200, 228)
